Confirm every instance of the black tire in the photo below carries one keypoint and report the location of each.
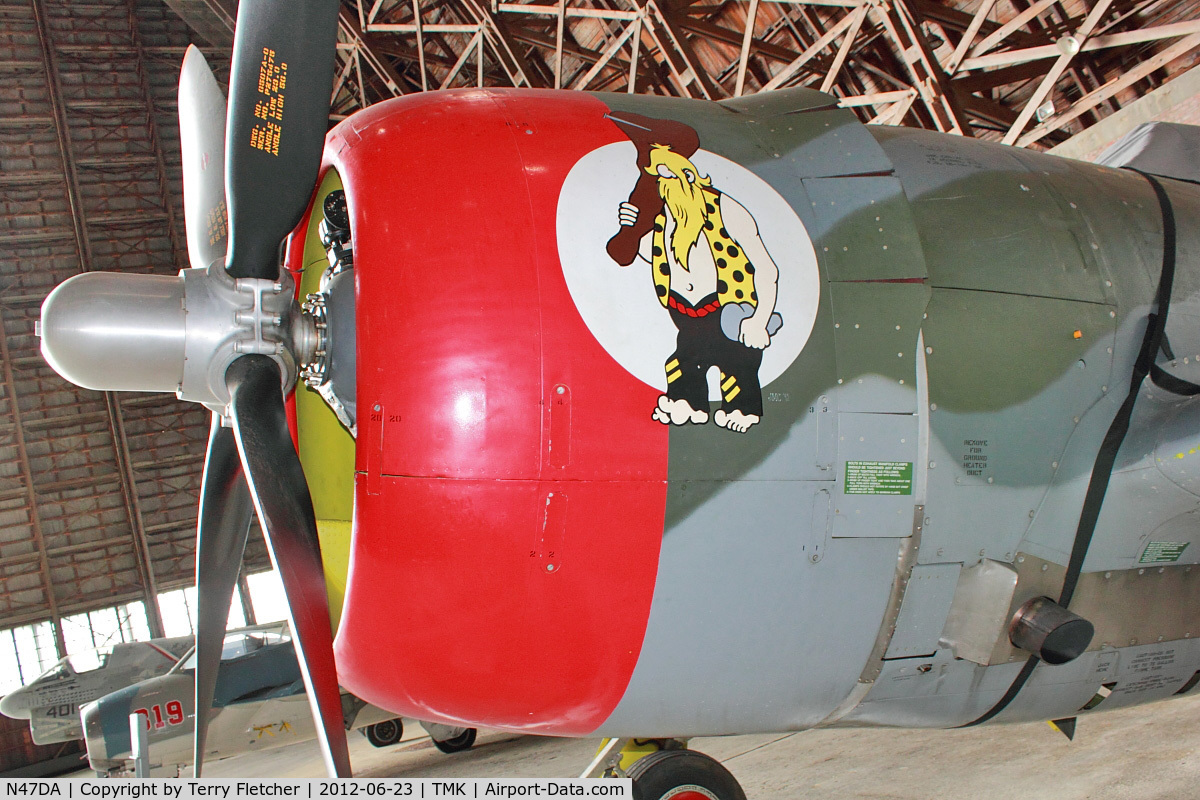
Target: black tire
(464, 741)
(683, 775)
(385, 733)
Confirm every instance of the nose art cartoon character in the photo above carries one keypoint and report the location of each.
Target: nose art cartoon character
(710, 270)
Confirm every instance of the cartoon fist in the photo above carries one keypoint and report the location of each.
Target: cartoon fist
(627, 214)
(753, 334)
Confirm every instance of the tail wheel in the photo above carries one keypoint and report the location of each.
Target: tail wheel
(464, 741)
(382, 734)
(683, 775)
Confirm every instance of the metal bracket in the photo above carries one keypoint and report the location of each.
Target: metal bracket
(607, 758)
(616, 756)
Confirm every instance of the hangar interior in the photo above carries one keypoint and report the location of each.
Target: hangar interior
(98, 491)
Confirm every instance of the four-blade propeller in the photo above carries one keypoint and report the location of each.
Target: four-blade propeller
(282, 68)
(233, 348)
(279, 83)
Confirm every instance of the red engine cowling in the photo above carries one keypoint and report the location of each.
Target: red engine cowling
(510, 486)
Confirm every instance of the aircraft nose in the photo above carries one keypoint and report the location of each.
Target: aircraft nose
(13, 705)
(106, 728)
(116, 331)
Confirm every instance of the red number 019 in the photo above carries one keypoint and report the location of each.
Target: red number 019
(174, 715)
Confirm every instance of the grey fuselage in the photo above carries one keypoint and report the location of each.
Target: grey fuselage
(980, 312)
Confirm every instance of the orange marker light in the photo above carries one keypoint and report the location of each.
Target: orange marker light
(1078, 334)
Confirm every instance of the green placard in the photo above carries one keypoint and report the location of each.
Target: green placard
(879, 477)
(1162, 552)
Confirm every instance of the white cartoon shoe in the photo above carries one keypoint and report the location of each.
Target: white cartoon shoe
(735, 420)
(678, 412)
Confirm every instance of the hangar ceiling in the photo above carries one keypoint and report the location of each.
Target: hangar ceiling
(1027, 73)
(98, 492)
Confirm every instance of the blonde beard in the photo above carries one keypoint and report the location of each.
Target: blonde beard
(686, 203)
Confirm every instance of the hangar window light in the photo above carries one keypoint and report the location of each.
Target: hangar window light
(267, 600)
(25, 653)
(178, 610)
(266, 594)
(84, 633)
(28, 651)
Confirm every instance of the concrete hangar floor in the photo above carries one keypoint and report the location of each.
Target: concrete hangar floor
(1148, 752)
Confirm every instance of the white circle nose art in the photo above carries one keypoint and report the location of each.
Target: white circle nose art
(629, 310)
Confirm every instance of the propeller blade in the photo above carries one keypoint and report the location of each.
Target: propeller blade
(285, 512)
(202, 137)
(279, 89)
(225, 514)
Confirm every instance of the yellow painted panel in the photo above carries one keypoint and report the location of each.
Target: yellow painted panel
(326, 448)
(335, 553)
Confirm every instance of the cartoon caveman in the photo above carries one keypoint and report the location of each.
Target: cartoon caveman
(713, 274)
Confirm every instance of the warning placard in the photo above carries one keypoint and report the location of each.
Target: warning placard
(1162, 552)
(879, 477)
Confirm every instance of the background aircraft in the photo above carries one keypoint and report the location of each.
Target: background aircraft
(259, 704)
(683, 418)
(51, 702)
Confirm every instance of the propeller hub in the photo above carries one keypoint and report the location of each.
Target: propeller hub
(155, 333)
(116, 331)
